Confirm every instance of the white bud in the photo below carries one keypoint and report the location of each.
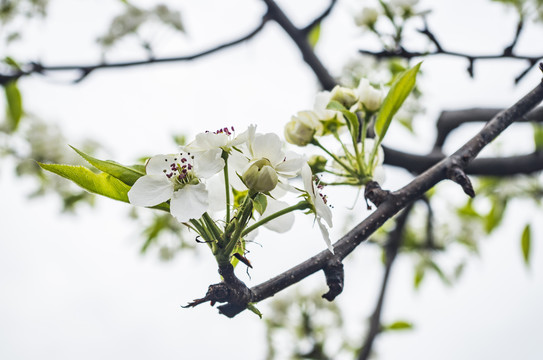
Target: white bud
(369, 96)
(302, 127)
(367, 17)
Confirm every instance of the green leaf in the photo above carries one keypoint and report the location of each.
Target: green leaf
(495, 215)
(8, 60)
(419, 275)
(14, 104)
(538, 136)
(525, 242)
(314, 35)
(432, 265)
(101, 184)
(260, 203)
(127, 175)
(399, 325)
(352, 120)
(252, 307)
(402, 86)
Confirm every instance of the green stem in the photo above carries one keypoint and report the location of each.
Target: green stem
(212, 227)
(226, 185)
(202, 231)
(302, 205)
(336, 159)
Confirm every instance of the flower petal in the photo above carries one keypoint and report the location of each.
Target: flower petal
(208, 163)
(281, 224)
(189, 202)
(268, 146)
(325, 236)
(158, 163)
(150, 190)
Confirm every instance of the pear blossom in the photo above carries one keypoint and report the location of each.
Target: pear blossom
(302, 127)
(322, 99)
(367, 17)
(177, 177)
(369, 96)
(318, 205)
(265, 164)
(223, 138)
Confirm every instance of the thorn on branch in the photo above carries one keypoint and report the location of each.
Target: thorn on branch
(457, 174)
(334, 278)
(375, 194)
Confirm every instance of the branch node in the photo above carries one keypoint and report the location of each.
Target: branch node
(457, 174)
(375, 194)
(334, 278)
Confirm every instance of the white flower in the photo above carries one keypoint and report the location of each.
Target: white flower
(367, 17)
(322, 99)
(318, 205)
(369, 96)
(223, 138)
(264, 151)
(177, 177)
(302, 127)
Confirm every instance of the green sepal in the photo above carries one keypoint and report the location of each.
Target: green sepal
(14, 104)
(525, 242)
(260, 203)
(126, 174)
(252, 307)
(402, 86)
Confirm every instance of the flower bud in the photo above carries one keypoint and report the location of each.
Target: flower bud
(302, 127)
(317, 163)
(369, 96)
(344, 96)
(367, 17)
(261, 176)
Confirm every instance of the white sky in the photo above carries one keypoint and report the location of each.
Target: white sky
(76, 286)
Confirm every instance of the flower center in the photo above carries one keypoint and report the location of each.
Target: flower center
(180, 170)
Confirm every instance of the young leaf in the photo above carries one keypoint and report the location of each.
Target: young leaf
(397, 94)
(352, 120)
(525, 242)
(314, 35)
(252, 307)
(127, 175)
(399, 325)
(101, 184)
(14, 104)
(538, 136)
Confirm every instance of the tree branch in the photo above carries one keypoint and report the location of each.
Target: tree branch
(300, 39)
(392, 246)
(450, 120)
(85, 70)
(396, 201)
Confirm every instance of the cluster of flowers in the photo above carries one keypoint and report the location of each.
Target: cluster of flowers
(359, 158)
(369, 15)
(232, 178)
